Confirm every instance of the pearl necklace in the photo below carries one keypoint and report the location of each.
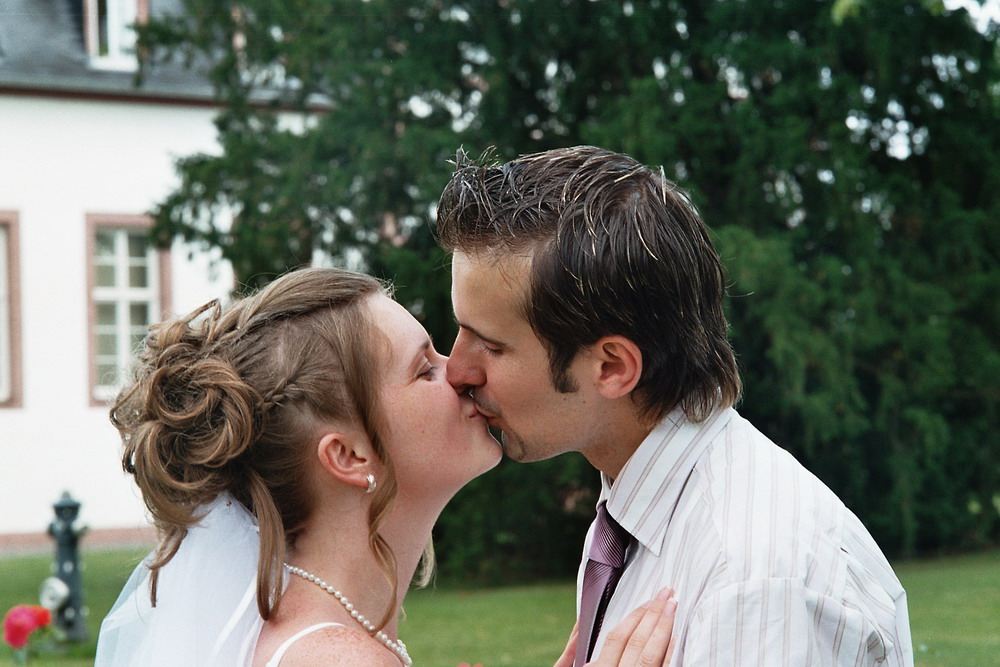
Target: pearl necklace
(397, 647)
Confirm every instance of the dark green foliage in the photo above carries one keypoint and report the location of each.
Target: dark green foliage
(518, 522)
(319, 148)
(846, 156)
(422, 280)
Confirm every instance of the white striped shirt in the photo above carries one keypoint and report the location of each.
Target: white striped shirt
(768, 565)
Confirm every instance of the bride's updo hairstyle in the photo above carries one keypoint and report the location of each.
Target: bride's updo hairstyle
(232, 400)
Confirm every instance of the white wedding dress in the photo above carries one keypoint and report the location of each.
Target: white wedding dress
(206, 603)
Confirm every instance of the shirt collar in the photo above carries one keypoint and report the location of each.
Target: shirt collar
(644, 495)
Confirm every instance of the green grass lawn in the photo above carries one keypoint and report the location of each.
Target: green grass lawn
(521, 625)
(954, 609)
(954, 612)
(103, 573)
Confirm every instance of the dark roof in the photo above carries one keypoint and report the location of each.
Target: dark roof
(42, 51)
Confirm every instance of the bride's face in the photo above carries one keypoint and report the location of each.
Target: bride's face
(437, 439)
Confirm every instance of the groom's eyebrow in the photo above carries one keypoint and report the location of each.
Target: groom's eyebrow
(479, 335)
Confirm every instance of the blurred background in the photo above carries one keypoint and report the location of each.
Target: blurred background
(846, 154)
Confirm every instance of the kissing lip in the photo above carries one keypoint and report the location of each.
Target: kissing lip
(471, 411)
(487, 416)
(478, 410)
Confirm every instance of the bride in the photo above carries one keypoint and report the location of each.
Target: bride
(294, 451)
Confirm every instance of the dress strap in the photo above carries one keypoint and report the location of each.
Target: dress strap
(280, 653)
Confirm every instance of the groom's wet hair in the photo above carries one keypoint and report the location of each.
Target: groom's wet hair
(616, 248)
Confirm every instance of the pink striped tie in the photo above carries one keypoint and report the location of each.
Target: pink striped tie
(606, 561)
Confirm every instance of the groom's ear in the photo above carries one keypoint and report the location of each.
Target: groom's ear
(618, 365)
(347, 457)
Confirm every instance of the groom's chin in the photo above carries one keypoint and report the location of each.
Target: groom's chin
(511, 450)
(514, 449)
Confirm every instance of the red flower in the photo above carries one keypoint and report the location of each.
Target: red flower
(21, 621)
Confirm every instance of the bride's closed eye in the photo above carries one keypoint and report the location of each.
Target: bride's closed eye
(428, 371)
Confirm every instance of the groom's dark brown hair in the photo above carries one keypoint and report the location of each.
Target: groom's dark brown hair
(615, 248)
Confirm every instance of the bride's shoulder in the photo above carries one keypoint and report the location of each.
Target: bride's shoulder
(337, 645)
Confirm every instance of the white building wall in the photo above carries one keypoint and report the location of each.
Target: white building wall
(59, 160)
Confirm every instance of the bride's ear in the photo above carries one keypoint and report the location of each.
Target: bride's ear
(347, 457)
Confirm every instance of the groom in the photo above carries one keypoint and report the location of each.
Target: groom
(589, 299)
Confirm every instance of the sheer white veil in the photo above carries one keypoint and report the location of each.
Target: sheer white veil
(206, 600)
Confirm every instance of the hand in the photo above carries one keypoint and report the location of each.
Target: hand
(644, 638)
(566, 659)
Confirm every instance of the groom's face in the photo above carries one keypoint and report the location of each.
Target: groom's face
(498, 359)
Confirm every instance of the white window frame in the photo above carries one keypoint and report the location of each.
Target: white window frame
(122, 296)
(10, 312)
(119, 17)
(6, 316)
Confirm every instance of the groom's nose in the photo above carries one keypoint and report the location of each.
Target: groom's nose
(465, 368)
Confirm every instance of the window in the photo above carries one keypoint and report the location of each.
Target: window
(10, 352)
(109, 33)
(127, 295)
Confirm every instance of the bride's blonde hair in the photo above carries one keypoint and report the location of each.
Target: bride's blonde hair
(229, 399)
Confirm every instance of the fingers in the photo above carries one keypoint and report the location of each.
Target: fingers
(650, 643)
(673, 644)
(618, 638)
(644, 638)
(566, 659)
